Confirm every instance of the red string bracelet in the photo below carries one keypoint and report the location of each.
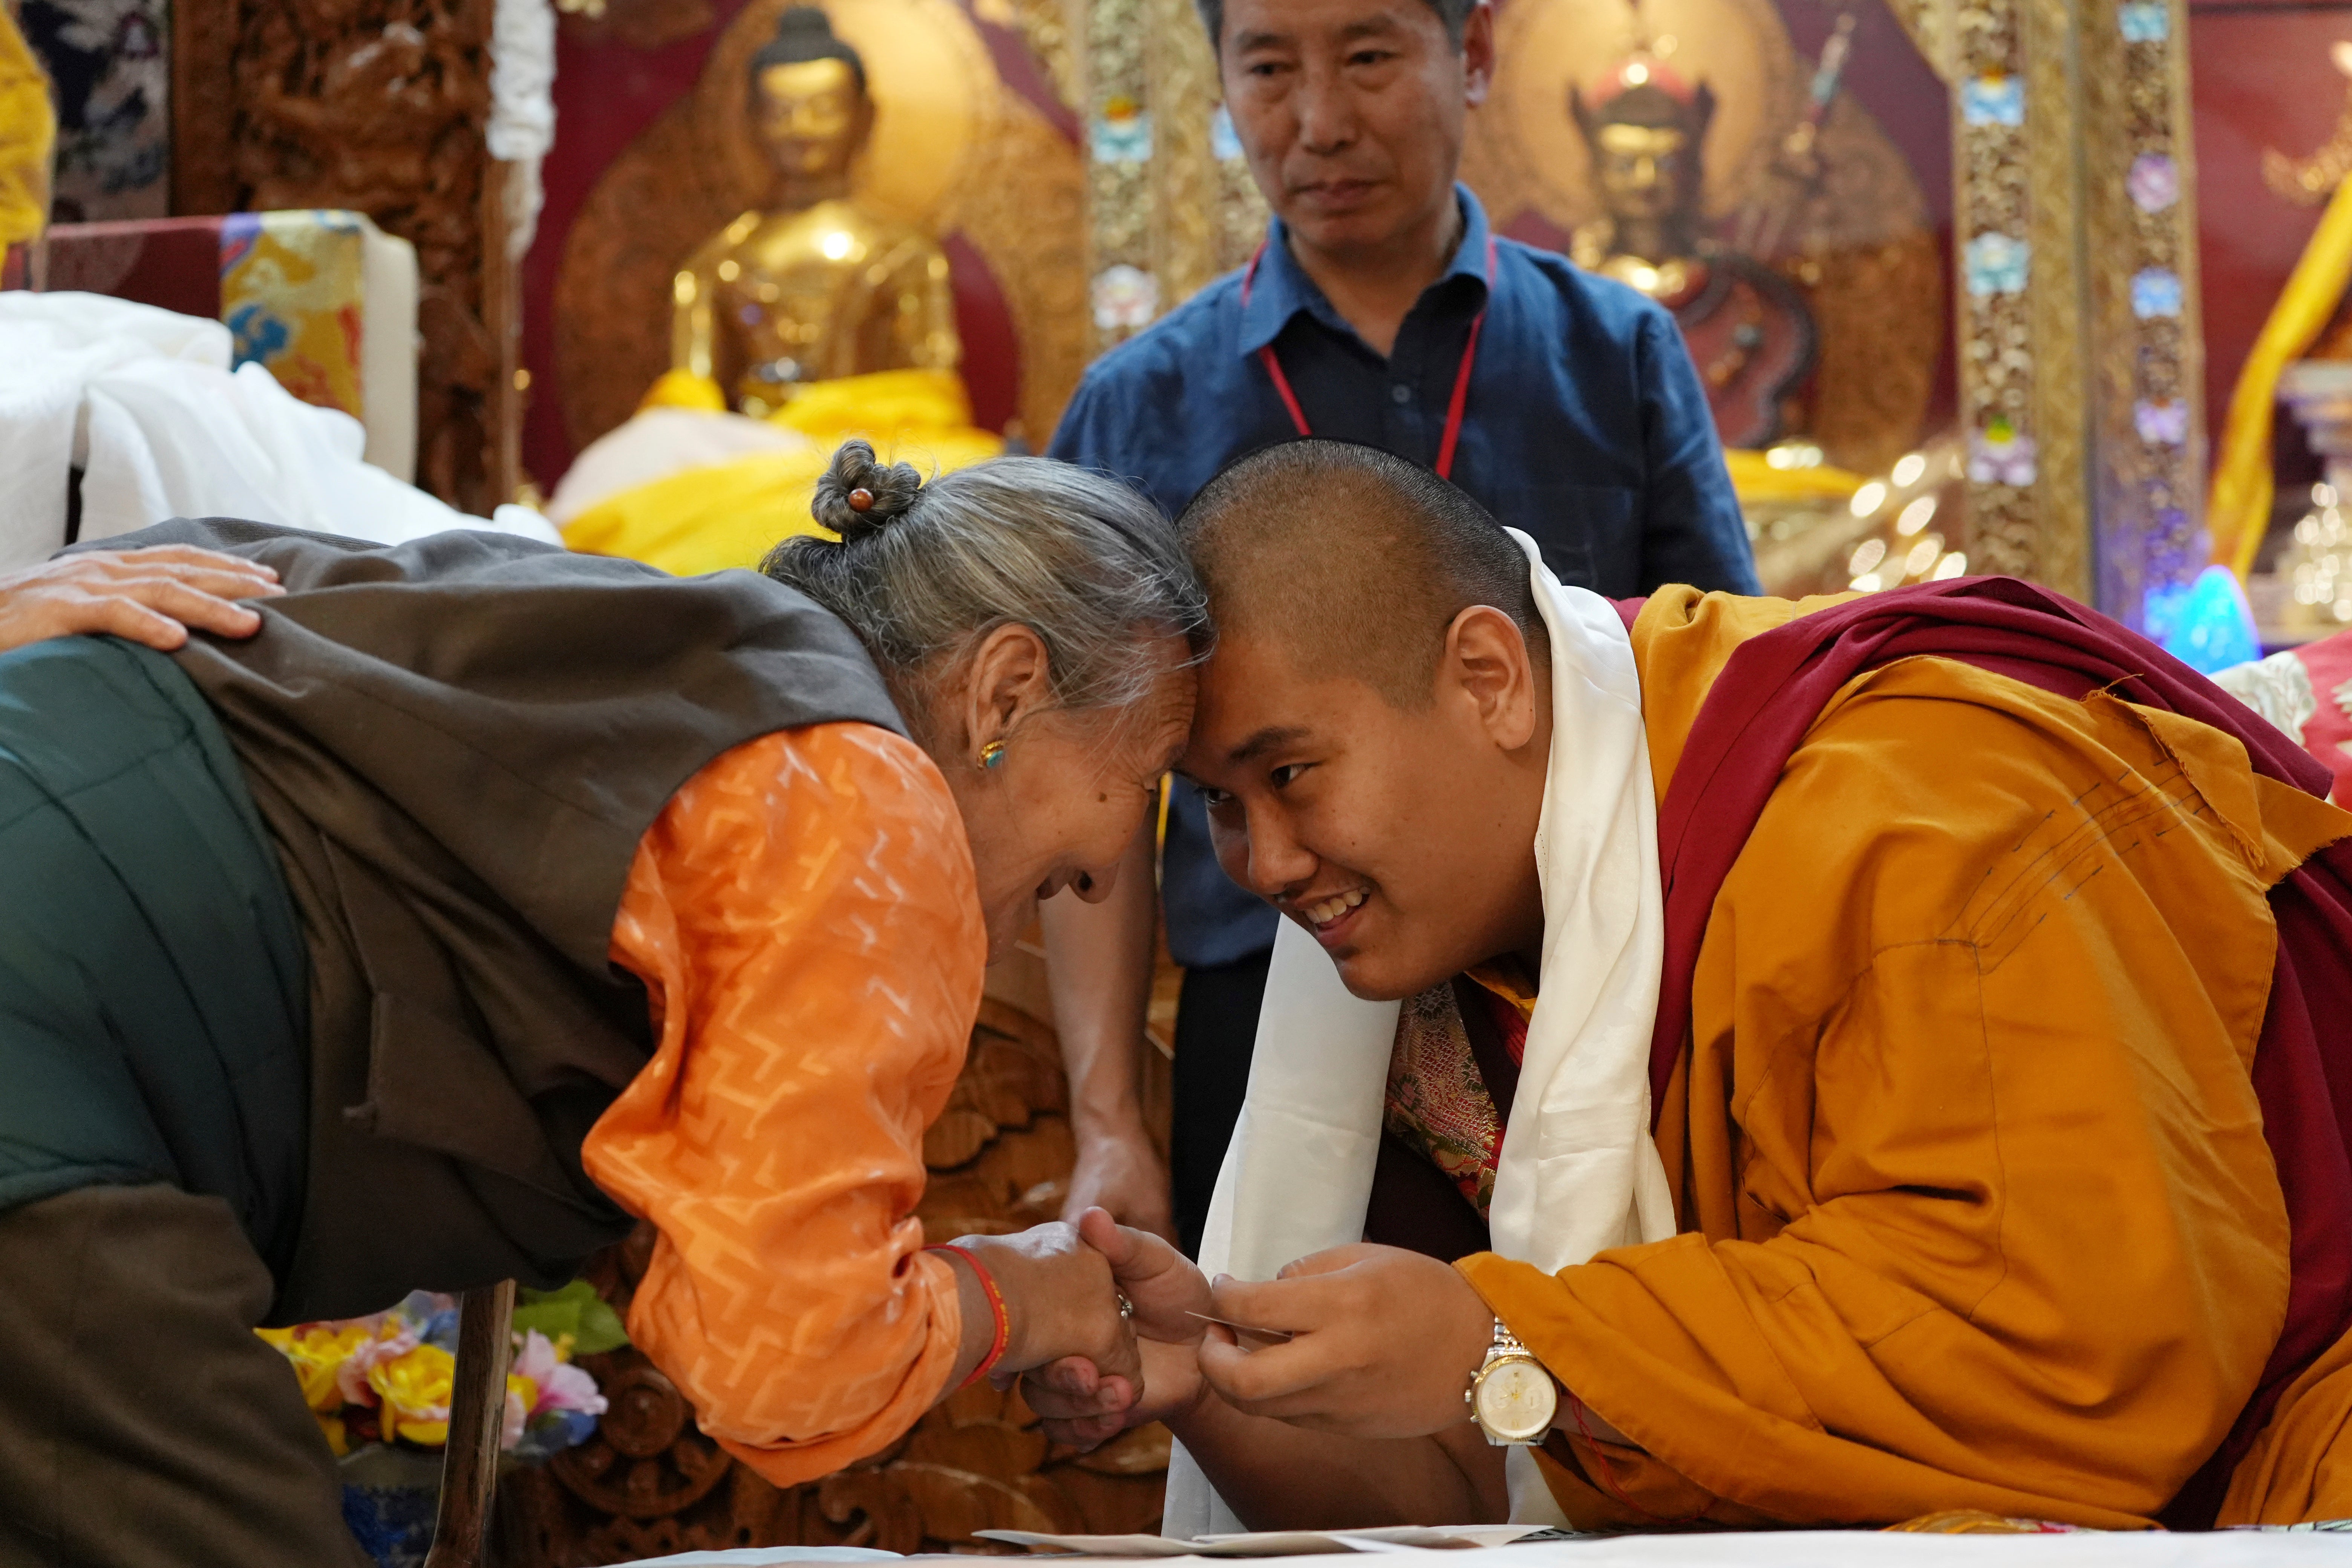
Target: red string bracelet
(995, 1306)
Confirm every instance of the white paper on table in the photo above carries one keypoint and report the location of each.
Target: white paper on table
(1273, 1542)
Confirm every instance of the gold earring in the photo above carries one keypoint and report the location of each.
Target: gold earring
(992, 754)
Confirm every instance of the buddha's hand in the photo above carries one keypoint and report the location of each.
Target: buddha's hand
(1384, 1344)
(153, 596)
(1166, 1293)
(1059, 1304)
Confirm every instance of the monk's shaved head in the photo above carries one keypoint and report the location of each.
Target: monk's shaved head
(1354, 561)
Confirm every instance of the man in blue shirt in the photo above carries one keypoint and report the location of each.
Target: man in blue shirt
(1381, 308)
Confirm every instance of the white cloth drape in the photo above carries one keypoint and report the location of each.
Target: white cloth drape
(522, 107)
(1578, 1171)
(145, 403)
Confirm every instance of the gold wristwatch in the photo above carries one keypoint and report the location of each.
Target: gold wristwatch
(1511, 1396)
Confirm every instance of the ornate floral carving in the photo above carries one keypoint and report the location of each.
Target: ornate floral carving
(650, 1483)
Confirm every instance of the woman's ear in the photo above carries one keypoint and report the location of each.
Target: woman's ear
(1011, 678)
(1486, 659)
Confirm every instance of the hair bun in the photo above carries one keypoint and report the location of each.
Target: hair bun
(859, 497)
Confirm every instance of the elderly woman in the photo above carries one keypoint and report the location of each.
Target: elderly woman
(487, 898)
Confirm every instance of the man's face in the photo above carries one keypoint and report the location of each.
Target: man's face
(1402, 838)
(1351, 110)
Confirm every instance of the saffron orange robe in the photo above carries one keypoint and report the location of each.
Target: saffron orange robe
(804, 919)
(1978, 1208)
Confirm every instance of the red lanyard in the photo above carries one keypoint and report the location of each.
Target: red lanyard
(1454, 406)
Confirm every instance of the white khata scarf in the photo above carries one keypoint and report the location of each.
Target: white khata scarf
(1578, 1171)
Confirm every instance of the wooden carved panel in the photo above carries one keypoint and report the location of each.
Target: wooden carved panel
(379, 106)
(650, 1483)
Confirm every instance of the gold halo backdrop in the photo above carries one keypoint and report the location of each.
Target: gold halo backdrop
(1526, 133)
(935, 100)
(954, 152)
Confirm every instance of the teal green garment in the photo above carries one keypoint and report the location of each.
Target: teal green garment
(154, 984)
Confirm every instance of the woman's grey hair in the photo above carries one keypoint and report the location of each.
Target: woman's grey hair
(923, 570)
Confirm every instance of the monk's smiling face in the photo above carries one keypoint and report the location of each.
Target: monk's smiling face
(1401, 834)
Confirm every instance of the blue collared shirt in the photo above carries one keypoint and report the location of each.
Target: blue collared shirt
(1586, 427)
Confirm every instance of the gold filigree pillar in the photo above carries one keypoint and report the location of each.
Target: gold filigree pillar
(1173, 202)
(2081, 347)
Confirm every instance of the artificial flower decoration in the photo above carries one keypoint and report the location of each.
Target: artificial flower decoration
(2154, 182)
(415, 1391)
(2000, 454)
(2161, 424)
(388, 1378)
(319, 1352)
(1124, 296)
(2156, 292)
(1993, 99)
(1997, 264)
(1123, 133)
(2143, 21)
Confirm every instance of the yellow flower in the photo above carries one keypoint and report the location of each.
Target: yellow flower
(317, 1351)
(415, 1391)
(337, 1437)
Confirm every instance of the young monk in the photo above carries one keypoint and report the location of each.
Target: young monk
(1879, 1055)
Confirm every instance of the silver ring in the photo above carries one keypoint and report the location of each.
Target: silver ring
(1126, 1307)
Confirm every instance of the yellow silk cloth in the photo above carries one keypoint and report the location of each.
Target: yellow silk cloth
(2238, 503)
(716, 516)
(1977, 1209)
(1758, 482)
(28, 137)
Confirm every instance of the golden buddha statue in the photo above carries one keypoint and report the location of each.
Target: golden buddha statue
(1749, 329)
(814, 287)
(805, 320)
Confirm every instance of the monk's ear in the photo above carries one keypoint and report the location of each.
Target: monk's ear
(1486, 662)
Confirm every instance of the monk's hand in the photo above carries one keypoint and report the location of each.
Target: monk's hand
(153, 596)
(1384, 1344)
(1059, 1303)
(1166, 1293)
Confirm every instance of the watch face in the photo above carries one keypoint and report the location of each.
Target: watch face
(1517, 1399)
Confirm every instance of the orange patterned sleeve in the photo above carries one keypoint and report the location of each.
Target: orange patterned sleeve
(805, 921)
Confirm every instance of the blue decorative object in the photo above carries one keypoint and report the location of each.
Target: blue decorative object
(2156, 292)
(393, 1525)
(1993, 100)
(1225, 144)
(1997, 264)
(2205, 624)
(2143, 21)
(1123, 135)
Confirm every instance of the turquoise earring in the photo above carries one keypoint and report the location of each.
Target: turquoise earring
(992, 754)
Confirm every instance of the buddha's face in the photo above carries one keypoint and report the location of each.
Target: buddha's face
(1645, 171)
(812, 117)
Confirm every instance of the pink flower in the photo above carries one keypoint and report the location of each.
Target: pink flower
(395, 1339)
(561, 1386)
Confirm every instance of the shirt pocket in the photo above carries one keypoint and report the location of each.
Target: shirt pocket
(1587, 532)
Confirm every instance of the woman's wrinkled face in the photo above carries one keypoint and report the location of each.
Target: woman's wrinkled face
(1070, 792)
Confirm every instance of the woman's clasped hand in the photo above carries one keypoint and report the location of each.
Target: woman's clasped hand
(1365, 1341)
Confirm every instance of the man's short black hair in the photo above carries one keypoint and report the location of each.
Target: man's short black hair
(1355, 561)
(1454, 14)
